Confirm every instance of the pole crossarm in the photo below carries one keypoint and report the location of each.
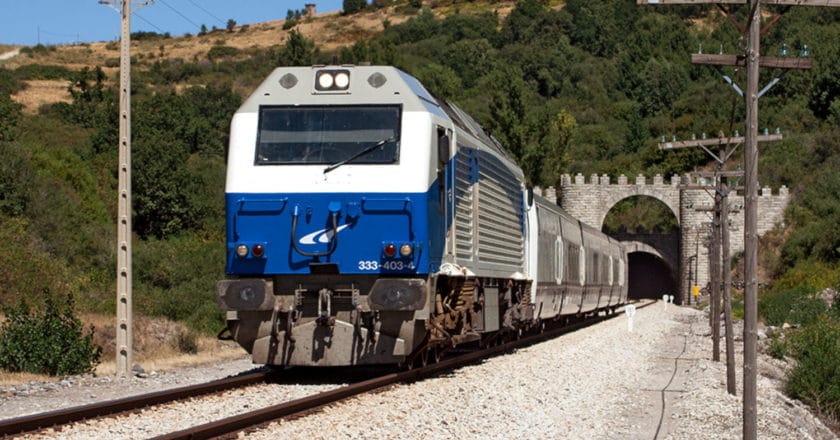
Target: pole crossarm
(741, 60)
(741, 2)
(716, 141)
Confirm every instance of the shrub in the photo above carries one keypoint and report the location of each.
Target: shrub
(10, 112)
(186, 342)
(777, 347)
(41, 71)
(799, 305)
(53, 342)
(218, 52)
(816, 378)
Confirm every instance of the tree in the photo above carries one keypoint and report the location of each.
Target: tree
(508, 110)
(16, 177)
(231, 25)
(9, 115)
(353, 6)
(298, 51)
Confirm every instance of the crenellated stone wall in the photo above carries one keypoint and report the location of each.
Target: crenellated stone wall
(690, 200)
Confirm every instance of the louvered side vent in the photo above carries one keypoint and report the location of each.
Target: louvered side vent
(464, 221)
(500, 241)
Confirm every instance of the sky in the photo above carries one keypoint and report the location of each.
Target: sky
(55, 22)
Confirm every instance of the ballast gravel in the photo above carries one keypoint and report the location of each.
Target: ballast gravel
(602, 382)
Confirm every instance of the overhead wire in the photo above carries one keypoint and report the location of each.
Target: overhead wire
(207, 12)
(180, 14)
(148, 22)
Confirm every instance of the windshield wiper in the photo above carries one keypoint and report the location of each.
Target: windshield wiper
(359, 154)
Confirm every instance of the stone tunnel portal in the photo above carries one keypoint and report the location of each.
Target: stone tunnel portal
(650, 277)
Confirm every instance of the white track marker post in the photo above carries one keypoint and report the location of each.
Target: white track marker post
(629, 310)
(665, 302)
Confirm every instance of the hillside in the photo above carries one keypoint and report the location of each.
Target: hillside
(330, 31)
(568, 87)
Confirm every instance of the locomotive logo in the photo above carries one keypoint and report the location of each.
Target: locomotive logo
(321, 236)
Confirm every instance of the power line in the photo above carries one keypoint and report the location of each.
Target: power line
(206, 11)
(179, 13)
(149, 23)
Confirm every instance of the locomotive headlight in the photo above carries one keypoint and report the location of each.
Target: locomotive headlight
(342, 80)
(258, 250)
(390, 250)
(332, 80)
(242, 251)
(406, 250)
(325, 80)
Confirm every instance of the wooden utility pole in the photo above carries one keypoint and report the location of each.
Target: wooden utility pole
(727, 288)
(750, 426)
(753, 61)
(124, 301)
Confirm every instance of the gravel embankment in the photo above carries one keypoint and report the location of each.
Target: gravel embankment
(602, 382)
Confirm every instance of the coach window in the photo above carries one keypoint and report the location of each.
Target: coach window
(582, 267)
(558, 261)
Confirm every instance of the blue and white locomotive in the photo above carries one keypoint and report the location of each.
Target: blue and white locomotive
(369, 222)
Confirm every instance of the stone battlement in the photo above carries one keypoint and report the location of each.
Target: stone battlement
(658, 180)
(689, 199)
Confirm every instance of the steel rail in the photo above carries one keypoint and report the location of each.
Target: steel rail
(35, 422)
(232, 425)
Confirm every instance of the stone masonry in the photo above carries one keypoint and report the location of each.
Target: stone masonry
(591, 201)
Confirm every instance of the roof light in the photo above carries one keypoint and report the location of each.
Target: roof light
(332, 80)
(342, 80)
(325, 81)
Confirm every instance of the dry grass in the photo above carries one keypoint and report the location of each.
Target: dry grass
(329, 30)
(41, 92)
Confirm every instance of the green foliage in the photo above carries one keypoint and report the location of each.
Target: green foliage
(814, 273)
(52, 342)
(800, 305)
(9, 82)
(220, 52)
(25, 267)
(815, 379)
(349, 7)
(640, 215)
(816, 218)
(39, 49)
(40, 71)
(16, 178)
(298, 51)
(149, 35)
(231, 25)
(176, 277)
(9, 115)
(777, 347)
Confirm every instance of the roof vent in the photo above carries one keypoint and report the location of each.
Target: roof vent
(377, 80)
(288, 81)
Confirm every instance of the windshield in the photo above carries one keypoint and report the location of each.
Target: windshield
(325, 135)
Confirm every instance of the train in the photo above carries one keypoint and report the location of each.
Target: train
(369, 222)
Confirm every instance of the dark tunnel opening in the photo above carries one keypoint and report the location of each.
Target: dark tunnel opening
(650, 278)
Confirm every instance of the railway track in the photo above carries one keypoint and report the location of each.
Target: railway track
(251, 420)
